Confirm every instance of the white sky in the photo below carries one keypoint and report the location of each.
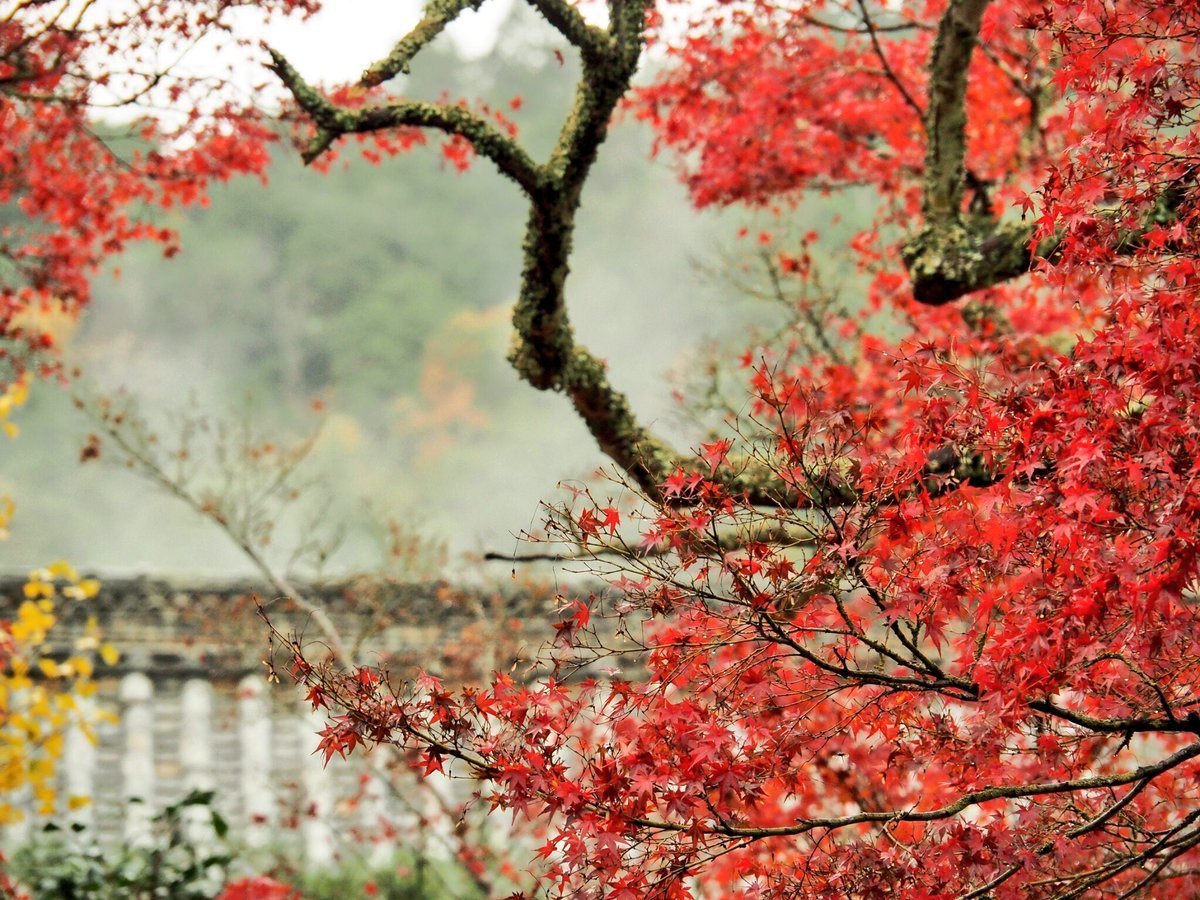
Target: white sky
(334, 46)
(348, 35)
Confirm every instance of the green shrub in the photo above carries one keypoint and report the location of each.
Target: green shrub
(177, 862)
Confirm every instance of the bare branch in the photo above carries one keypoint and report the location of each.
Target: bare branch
(966, 801)
(872, 32)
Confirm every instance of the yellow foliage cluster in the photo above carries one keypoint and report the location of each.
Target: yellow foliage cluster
(13, 397)
(42, 696)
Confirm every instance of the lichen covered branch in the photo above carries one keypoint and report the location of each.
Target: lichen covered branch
(955, 254)
(438, 14)
(544, 353)
(945, 258)
(591, 41)
(334, 121)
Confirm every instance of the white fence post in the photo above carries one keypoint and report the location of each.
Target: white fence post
(79, 765)
(254, 739)
(318, 794)
(137, 765)
(196, 751)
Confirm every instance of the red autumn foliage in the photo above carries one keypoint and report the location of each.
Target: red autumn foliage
(944, 642)
(258, 888)
(76, 189)
(972, 669)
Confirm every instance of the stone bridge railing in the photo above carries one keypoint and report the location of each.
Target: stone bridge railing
(194, 710)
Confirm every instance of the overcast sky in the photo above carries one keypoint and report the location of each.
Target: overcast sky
(338, 43)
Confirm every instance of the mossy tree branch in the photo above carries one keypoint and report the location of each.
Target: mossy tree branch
(945, 259)
(954, 254)
(946, 117)
(948, 265)
(438, 14)
(593, 42)
(335, 121)
(545, 352)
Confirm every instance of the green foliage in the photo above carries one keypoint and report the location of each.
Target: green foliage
(187, 857)
(407, 878)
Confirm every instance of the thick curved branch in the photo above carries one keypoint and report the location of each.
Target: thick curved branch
(952, 263)
(545, 353)
(507, 155)
(1167, 725)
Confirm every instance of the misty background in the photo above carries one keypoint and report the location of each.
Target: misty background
(381, 295)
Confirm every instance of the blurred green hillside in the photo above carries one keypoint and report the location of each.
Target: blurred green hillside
(381, 291)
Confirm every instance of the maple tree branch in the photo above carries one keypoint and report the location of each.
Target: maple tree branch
(950, 256)
(334, 121)
(888, 71)
(982, 256)
(955, 255)
(1090, 825)
(1168, 841)
(438, 14)
(594, 43)
(1169, 725)
(972, 798)
(944, 258)
(545, 353)
(725, 539)
(810, 19)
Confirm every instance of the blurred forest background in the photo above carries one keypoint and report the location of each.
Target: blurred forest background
(381, 295)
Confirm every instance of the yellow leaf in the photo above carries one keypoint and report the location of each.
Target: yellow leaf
(39, 711)
(19, 392)
(35, 588)
(45, 797)
(78, 801)
(81, 666)
(109, 654)
(54, 744)
(50, 668)
(84, 590)
(63, 569)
